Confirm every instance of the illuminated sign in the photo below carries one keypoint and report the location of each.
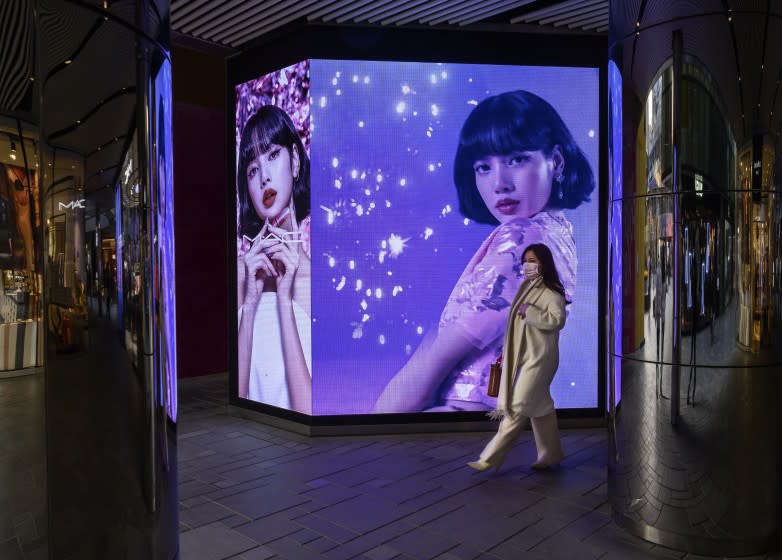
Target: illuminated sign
(73, 204)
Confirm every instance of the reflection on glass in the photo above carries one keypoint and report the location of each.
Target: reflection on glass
(20, 247)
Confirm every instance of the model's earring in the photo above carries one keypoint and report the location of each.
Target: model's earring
(559, 178)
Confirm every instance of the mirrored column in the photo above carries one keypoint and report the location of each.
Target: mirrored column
(105, 121)
(695, 237)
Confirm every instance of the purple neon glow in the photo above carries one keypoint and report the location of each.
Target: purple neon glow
(166, 285)
(615, 219)
(388, 241)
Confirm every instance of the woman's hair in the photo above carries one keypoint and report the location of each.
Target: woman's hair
(270, 125)
(548, 270)
(518, 121)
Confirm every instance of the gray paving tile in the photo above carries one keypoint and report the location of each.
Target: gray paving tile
(363, 513)
(259, 553)
(204, 514)
(422, 544)
(289, 549)
(262, 501)
(382, 552)
(269, 528)
(327, 528)
(213, 542)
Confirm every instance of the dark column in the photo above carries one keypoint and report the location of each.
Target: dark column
(105, 114)
(695, 422)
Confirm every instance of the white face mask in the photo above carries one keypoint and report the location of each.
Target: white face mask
(531, 270)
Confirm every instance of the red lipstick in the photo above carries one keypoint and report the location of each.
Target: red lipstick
(507, 205)
(269, 196)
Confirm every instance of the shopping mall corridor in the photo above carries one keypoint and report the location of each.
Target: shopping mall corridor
(251, 491)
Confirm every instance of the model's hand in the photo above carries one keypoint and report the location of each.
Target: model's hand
(258, 268)
(523, 309)
(285, 257)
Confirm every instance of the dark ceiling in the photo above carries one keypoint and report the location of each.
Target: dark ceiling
(236, 23)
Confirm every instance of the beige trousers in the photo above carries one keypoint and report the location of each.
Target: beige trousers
(545, 430)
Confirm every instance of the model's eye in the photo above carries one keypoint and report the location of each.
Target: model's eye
(481, 168)
(252, 171)
(274, 153)
(517, 159)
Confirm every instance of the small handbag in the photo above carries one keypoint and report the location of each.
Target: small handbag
(495, 374)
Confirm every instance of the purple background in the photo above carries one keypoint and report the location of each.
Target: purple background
(383, 139)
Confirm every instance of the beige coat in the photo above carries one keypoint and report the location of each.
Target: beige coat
(531, 351)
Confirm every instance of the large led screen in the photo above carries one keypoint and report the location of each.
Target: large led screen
(427, 183)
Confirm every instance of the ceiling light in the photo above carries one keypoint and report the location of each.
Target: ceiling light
(13, 151)
(67, 61)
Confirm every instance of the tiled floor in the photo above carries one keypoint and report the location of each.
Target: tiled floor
(251, 491)
(22, 468)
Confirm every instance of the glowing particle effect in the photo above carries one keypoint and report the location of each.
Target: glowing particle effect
(433, 78)
(352, 265)
(405, 89)
(435, 110)
(408, 349)
(354, 174)
(341, 284)
(364, 318)
(358, 330)
(333, 81)
(355, 79)
(361, 124)
(396, 290)
(470, 80)
(431, 167)
(467, 221)
(337, 184)
(572, 383)
(420, 330)
(334, 163)
(415, 113)
(428, 233)
(591, 133)
(338, 74)
(359, 210)
(367, 192)
(388, 204)
(323, 101)
(379, 293)
(364, 304)
(402, 182)
(446, 210)
(396, 244)
(429, 133)
(363, 175)
(401, 106)
(472, 101)
(339, 92)
(369, 292)
(381, 256)
(359, 284)
(332, 262)
(371, 205)
(366, 79)
(381, 339)
(329, 214)
(379, 178)
(444, 74)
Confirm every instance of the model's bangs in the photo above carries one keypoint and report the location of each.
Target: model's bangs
(496, 135)
(262, 134)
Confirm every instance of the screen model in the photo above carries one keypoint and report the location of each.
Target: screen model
(426, 184)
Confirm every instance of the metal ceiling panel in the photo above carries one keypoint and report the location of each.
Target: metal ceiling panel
(557, 9)
(492, 13)
(233, 23)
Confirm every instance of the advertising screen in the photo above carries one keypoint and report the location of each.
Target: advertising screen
(427, 183)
